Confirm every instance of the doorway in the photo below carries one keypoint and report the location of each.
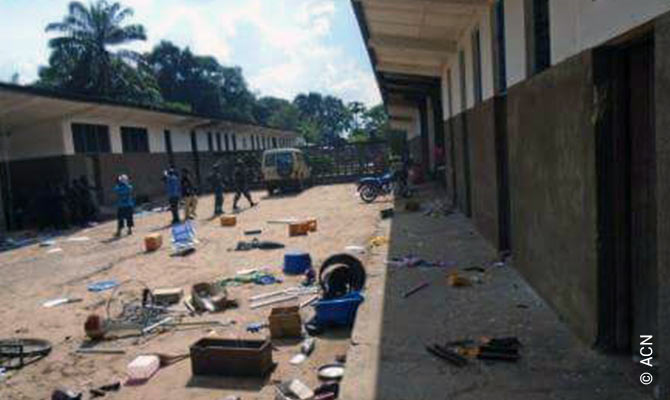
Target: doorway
(626, 154)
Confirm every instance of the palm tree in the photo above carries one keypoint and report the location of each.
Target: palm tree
(81, 58)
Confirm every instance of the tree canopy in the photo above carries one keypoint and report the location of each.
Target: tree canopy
(82, 61)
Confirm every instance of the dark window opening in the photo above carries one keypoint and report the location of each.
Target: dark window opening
(194, 142)
(90, 138)
(476, 66)
(134, 140)
(500, 48)
(464, 91)
(218, 141)
(227, 142)
(274, 142)
(210, 141)
(539, 39)
(234, 140)
(168, 141)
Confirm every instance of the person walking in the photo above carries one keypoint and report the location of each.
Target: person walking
(173, 188)
(125, 204)
(241, 184)
(189, 193)
(218, 185)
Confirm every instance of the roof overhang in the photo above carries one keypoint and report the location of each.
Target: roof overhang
(410, 41)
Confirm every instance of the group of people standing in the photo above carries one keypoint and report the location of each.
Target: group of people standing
(61, 206)
(180, 186)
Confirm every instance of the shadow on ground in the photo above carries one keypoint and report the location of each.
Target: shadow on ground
(389, 360)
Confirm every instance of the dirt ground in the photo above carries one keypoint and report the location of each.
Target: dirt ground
(30, 275)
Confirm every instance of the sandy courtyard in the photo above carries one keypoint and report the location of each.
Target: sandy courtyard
(30, 276)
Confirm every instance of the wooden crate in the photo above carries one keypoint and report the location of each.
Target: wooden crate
(298, 228)
(312, 224)
(231, 357)
(153, 242)
(285, 322)
(228, 220)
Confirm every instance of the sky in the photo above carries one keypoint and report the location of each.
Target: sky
(284, 47)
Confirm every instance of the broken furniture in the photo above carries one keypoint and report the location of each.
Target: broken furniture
(17, 353)
(167, 296)
(209, 297)
(231, 357)
(297, 262)
(285, 322)
(293, 390)
(153, 242)
(257, 244)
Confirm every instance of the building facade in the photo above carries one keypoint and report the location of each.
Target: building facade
(552, 114)
(53, 139)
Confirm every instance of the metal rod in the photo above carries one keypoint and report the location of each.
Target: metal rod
(101, 351)
(156, 325)
(274, 301)
(309, 301)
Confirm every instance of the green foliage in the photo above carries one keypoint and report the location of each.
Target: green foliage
(82, 61)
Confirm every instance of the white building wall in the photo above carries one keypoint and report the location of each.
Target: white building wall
(42, 140)
(515, 40)
(469, 73)
(486, 39)
(444, 88)
(181, 140)
(578, 25)
(456, 86)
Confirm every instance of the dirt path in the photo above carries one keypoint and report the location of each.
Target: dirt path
(30, 276)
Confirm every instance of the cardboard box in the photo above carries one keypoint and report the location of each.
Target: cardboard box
(285, 322)
(228, 220)
(298, 228)
(153, 242)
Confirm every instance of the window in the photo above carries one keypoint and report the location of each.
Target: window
(134, 140)
(450, 98)
(499, 47)
(218, 141)
(90, 138)
(265, 142)
(194, 142)
(227, 142)
(539, 57)
(167, 135)
(234, 140)
(244, 142)
(274, 142)
(464, 92)
(476, 66)
(210, 141)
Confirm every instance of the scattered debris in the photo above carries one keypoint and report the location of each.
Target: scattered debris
(253, 232)
(102, 285)
(78, 239)
(412, 206)
(299, 228)
(167, 296)
(153, 242)
(17, 353)
(341, 274)
(209, 297)
(82, 350)
(183, 238)
(331, 371)
(297, 262)
(357, 250)
(65, 395)
(411, 261)
(293, 390)
(274, 301)
(447, 355)
(257, 244)
(337, 312)
(387, 213)
(415, 289)
(474, 269)
(285, 322)
(60, 302)
(142, 368)
(456, 280)
(257, 327)
(327, 391)
(438, 208)
(47, 243)
(495, 349)
(309, 301)
(228, 220)
(54, 250)
(254, 276)
(379, 241)
(231, 357)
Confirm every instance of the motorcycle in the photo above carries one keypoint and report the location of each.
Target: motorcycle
(372, 187)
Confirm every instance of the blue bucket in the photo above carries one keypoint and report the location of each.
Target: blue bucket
(297, 263)
(338, 312)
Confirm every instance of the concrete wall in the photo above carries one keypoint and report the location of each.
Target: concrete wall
(35, 141)
(578, 25)
(483, 169)
(552, 183)
(460, 136)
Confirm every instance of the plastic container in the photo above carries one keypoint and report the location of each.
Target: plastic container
(142, 368)
(338, 312)
(297, 262)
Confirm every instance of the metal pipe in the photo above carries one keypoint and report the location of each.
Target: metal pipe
(274, 301)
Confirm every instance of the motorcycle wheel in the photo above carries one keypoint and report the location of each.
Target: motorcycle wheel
(368, 193)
